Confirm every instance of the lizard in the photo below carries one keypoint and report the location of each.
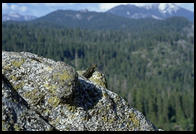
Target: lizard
(88, 73)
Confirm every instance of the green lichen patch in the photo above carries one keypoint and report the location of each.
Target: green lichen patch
(99, 79)
(133, 119)
(7, 67)
(4, 126)
(16, 127)
(98, 82)
(104, 118)
(54, 101)
(35, 96)
(62, 76)
(12, 77)
(117, 99)
(111, 120)
(71, 108)
(31, 94)
(48, 68)
(18, 63)
(55, 121)
(18, 86)
(51, 88)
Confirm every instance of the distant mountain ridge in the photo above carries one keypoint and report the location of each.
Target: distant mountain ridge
(157, 11)
(81, 19)
(96, 20)
(126, 17)
(17, 17)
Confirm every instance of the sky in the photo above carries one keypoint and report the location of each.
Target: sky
(41, 9)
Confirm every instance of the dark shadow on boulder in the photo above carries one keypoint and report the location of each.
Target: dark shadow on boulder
(86, 95)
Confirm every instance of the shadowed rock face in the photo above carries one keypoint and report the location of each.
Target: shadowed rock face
(41, 94)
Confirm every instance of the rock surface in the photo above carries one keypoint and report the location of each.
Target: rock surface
(41, 94)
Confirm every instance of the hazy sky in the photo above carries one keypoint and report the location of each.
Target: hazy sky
(40, 9)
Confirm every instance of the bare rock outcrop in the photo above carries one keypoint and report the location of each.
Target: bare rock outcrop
(41, 94)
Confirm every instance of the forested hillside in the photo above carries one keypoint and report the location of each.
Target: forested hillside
(150, 64)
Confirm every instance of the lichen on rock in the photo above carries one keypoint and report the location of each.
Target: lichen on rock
(53, 96)
(99, 79)
(66, 77)
(16, 115)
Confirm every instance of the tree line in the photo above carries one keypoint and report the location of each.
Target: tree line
(153, 68)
